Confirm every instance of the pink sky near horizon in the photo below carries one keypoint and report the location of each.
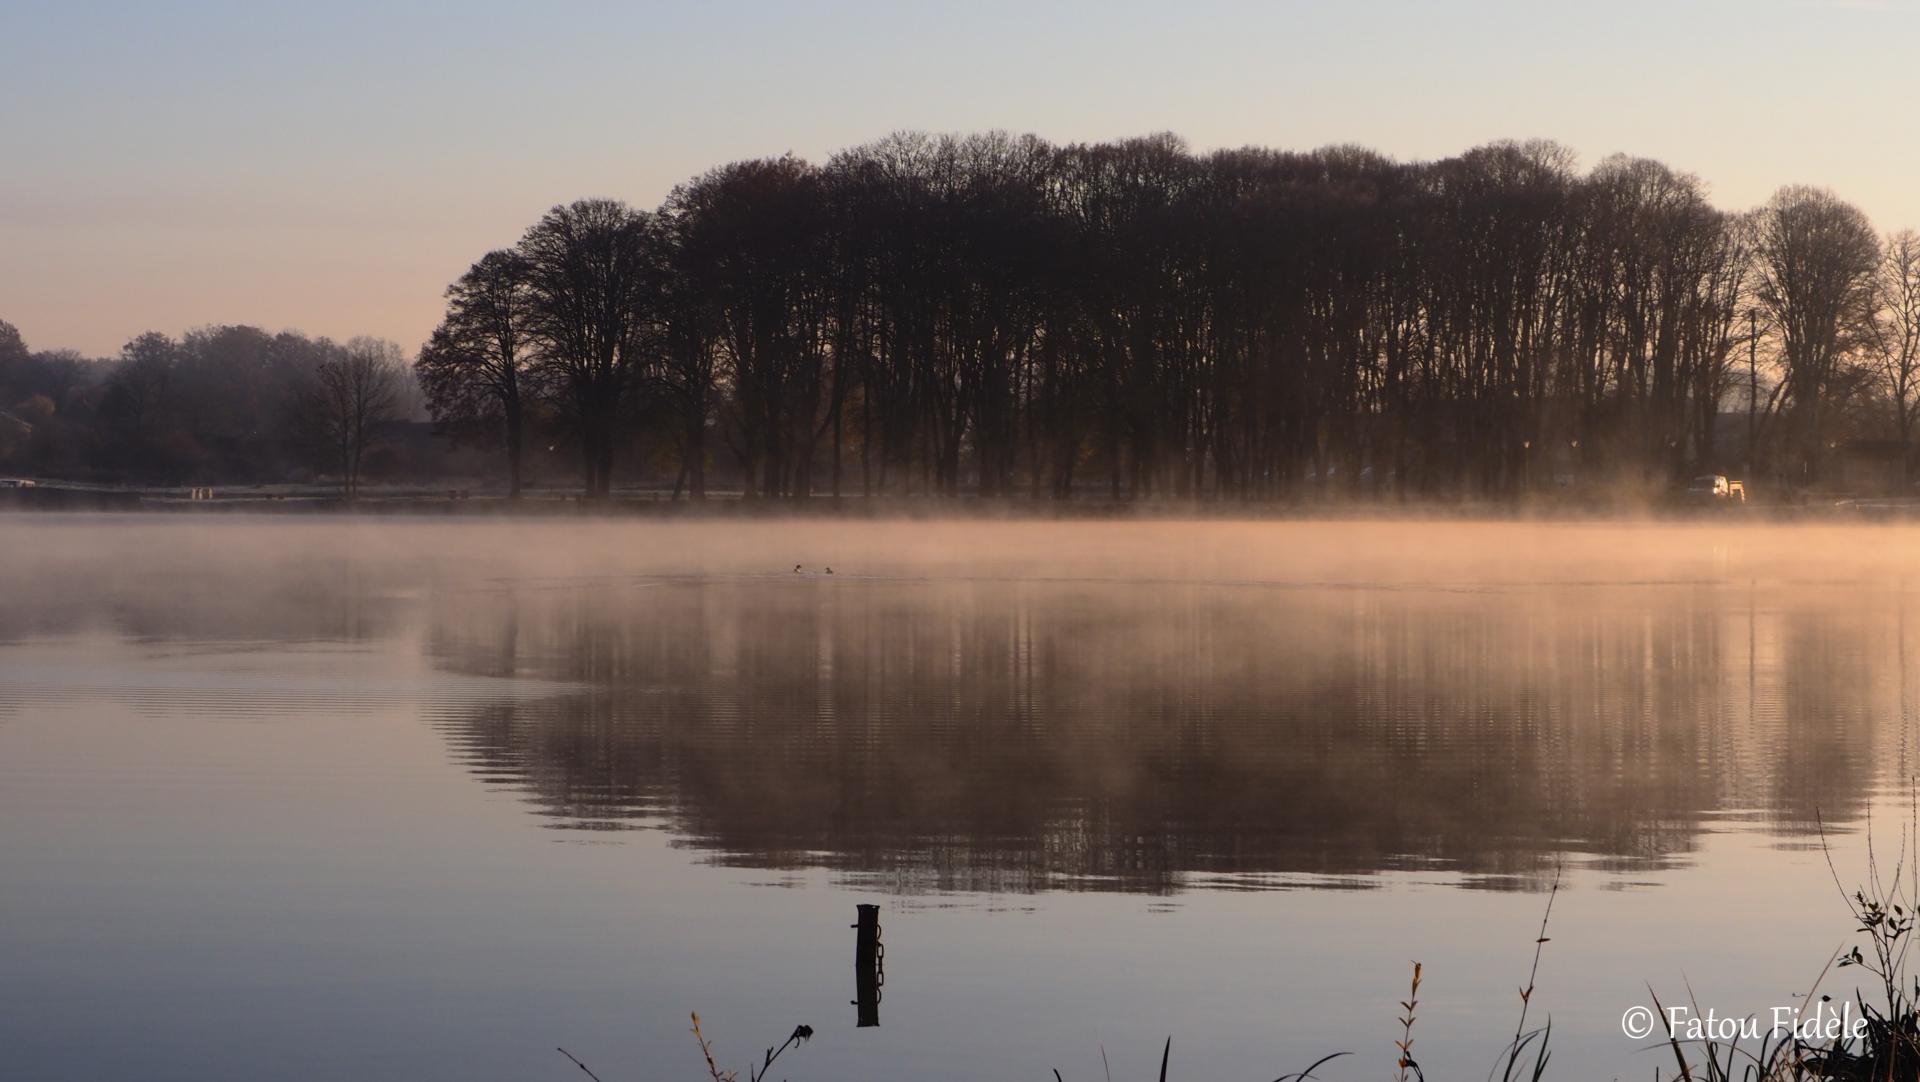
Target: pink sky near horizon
(331, 170)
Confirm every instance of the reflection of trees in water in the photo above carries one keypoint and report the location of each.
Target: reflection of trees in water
(1011, 737)
(178, 598)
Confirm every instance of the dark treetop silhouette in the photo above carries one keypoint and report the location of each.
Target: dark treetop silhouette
(994, 314)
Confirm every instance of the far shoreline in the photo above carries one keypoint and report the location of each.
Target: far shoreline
(661, 505)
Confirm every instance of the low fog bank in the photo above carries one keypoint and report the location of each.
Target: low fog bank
(1029, 705)
(122, 554)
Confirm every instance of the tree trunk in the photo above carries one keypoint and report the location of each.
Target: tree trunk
(697, 459)
(514, 450)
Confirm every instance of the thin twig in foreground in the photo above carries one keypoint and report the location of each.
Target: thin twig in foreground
(577, 1063)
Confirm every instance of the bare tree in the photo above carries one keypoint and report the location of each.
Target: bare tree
(594, 269)
(688, 378)
(1893, 334)
(752, 239)
(476, 369)
(1815, 259)
(137, 397)
(356, 389)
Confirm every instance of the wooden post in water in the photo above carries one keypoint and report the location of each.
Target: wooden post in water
(867, 974)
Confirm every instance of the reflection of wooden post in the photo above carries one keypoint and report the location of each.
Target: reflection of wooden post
(866, 966)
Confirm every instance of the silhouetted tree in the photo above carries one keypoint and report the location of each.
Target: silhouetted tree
(138, 406)
(477, 369)
(752, 242)
(594, 273)
(687, 381)
(356, 389)
(13, 353)
(1893, 335)
(1815, 258)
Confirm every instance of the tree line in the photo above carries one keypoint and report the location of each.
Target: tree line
(994, 314)
(226, 403)
(997, 315)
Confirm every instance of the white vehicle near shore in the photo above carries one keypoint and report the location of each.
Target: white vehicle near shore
(1716, 488)
(16, 482)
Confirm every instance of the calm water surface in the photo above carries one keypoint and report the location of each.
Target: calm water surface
(339, 799)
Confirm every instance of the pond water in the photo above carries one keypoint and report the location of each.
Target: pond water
(329, 798)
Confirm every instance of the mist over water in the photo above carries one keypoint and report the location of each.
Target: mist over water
(451, 793)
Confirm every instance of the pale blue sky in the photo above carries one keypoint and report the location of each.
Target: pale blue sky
(330, 167)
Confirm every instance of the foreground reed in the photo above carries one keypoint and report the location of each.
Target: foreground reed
(715, 1073)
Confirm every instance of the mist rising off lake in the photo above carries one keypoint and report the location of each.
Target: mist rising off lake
(426, 798)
